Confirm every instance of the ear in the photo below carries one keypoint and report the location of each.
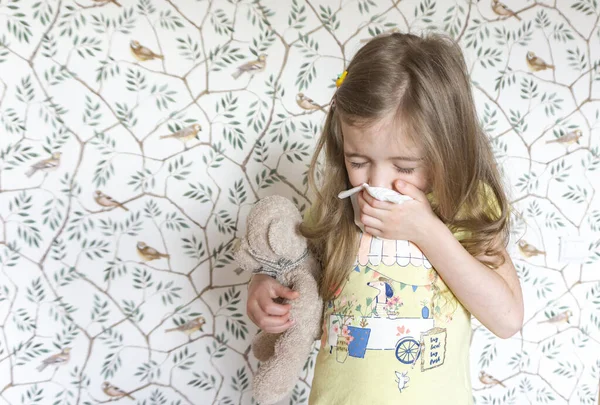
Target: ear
(243, 258)
(279, 236)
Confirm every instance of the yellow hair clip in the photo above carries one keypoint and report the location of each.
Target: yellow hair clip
(340, 78)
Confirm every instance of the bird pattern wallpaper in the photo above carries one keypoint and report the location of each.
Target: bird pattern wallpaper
(135, 135)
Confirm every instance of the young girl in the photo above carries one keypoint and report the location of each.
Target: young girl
(396, 322)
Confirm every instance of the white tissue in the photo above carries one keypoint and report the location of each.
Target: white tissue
(379, 193)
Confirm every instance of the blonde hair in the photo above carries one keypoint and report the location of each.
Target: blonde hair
(424, 81)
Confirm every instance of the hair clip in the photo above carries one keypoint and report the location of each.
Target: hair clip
(340, 78)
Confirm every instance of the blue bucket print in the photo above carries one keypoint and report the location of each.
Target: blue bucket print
(358, 346)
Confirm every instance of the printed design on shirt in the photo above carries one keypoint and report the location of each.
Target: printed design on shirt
(402, 380)
(391, 309)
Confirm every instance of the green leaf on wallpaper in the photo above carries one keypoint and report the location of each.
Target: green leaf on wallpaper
(43, 11)
(453, 22)
(260, 154)
(125, 115)
(329, 18)
(542, 286)
(36, 292)
(258, 13)
(215, 158)
(100, 310)
(566, 369)
(178, 168)
(175, 222)
(53, 213)
(534, 209)
(364, 6)
(203, 381)
(193, 248)
(95, 248)
(170, 21)
(72, 19)
(306, 74)
(115, 268)
(541, 19)
(256, 115)
(477, 33)
(125, 23)
(25, 91)
(528, 182)
(282, 125)
(577, 59)
(506, 79)
(145, 7)
(524, 34)
(142, 279)
(529, 89)
(163, 95)
(561, 33)
(17, 25)
(223, 56)
(588, 7)
(112, 363)
(553, 221)
(86, 46)
(221, 24)
(148, 371)
(91, 113)
(425, 10)
(142, 180)
(101, 23)
(168, 292)
(489, 57)
(27, 351)
(151, 210)
(296, 150)
(200, 192)
(189, 49)
(551, 103)
(518, 122)
(593, 220)
(223, 254)
(183, 359)
(103, 172)
(107, 68)
(263, 43)
(487, 355)
(266, 178)
(131, 310)
(577, 194)
(592, 161)
(297, 16)
(240, 382)
(559, 171)
(237, 194)
(14, 124)
(225, 224)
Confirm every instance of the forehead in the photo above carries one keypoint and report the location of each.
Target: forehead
(384, 136)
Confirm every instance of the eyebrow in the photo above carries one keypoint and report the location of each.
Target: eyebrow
(406, 158)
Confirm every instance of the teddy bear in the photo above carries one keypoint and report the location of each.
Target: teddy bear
(274, 246)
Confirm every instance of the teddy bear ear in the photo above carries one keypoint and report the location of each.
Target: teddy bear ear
(284, 237)
(243, 257)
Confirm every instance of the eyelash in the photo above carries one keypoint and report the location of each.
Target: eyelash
(399, 169)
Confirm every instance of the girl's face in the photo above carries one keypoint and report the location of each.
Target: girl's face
(379, 155)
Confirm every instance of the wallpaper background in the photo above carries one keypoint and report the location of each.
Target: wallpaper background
(73, 288)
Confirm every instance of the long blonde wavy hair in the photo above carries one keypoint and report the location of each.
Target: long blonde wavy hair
(424, 80)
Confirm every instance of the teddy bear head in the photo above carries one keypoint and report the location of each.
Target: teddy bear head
(272, 234)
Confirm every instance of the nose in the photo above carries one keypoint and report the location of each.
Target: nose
(380, 178)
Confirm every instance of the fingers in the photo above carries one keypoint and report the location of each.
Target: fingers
(411, 191)
(284, 292)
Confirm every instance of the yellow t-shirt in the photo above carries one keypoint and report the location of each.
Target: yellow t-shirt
(394, 334)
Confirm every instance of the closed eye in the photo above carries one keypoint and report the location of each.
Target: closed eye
(406, 171)
(357, 165)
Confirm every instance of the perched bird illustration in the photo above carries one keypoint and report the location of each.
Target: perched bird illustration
(383, 34)
(142, 53)
(307, 103)
(113, 391)
(56, 359)
(103, 2)
(536, 63)
(528, 250)
(502, 10)
(487, 379)
(185, 134)
(563, 317)
(254, 66)
(107, 201)
(148, 253)
(568, 139)
(46, 165)
(189, 327)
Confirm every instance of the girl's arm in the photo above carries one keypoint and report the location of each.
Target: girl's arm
(494, 297)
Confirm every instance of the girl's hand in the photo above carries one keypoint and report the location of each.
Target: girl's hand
(266, 314)
(406, 221)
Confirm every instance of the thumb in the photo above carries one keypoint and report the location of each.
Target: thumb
(285, 292)
(410, 190)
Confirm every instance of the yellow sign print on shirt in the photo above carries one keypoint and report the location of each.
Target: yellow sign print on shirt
(393, 300)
